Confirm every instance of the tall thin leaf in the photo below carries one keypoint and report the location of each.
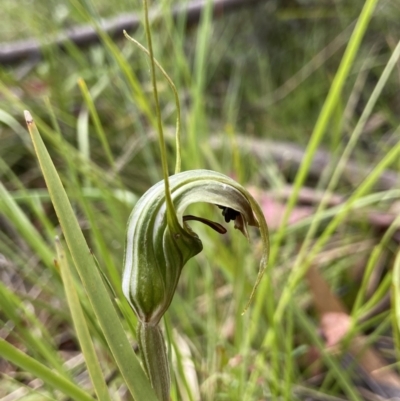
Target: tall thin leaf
(81, 327)
(105, 312)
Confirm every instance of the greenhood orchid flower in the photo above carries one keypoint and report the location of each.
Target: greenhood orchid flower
(160, 241)
(157, 251)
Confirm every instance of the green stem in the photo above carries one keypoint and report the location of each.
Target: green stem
(178, 107)
(155, 359)
(171, 214)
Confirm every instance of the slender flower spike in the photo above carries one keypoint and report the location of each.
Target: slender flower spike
(158, 247)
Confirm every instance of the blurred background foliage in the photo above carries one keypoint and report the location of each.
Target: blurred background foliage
(260, 74)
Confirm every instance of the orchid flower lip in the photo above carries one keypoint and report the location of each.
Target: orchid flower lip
(215, 226)
(228, 213)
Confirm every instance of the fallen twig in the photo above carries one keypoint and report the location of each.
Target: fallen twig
(87, 35)
(289, 156)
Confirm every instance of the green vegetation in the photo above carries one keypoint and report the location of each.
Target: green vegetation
(322, 76)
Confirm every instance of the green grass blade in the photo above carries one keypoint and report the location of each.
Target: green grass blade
(10, 209)
(396, 290)
(105, 312)
(96, 121)
(341, 376)
(326, 113)
(320, 128)
(40, 371)
(81, 327)
(177, 104)
(364, 187)
(35, 336)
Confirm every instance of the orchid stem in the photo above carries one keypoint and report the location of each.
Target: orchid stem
(155, 358)
(177, 103)
(171, 215)
(150, 338)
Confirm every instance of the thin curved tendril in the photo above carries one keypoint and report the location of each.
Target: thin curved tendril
(177, 103)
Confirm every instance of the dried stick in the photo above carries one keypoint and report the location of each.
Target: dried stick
(86, 35)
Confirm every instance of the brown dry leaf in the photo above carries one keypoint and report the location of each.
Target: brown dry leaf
(274, 209)
(373, 363)
(324, 300)
(335, 324)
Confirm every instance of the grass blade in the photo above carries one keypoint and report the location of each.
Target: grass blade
(81, 327)
(53, 379)
(326, 114)
(105, 312)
